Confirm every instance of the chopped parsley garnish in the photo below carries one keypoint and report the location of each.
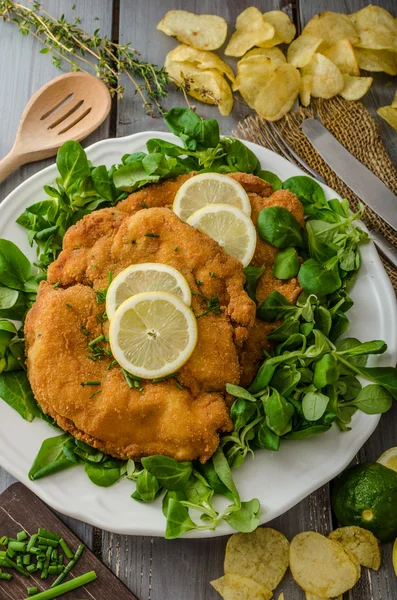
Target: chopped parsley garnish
(152, 235)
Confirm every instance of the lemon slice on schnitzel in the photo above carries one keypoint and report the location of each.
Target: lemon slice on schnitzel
(153, 334)
(146, 277)
(230, 227)
(209, 188)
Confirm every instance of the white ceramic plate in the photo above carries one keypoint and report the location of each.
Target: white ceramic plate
(279, 479)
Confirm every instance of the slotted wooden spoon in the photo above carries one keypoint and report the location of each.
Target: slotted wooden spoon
(69, 107)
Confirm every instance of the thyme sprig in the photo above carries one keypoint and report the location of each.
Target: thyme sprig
(69, 43)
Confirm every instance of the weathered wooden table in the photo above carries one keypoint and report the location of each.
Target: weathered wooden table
(156, 569)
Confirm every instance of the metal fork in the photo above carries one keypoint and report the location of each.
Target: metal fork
(279, 145)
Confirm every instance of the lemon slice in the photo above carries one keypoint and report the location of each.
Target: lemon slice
(209, 188)
(153, 334)
(146, 277)
(389, 458)
(230, 227)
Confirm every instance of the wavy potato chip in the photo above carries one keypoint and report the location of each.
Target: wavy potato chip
(208, 85)
(251, 30)
(201, 59)
(301, 51)
(284, 29)
(279, 94)
(361, 543)
(321, 566)
(389, 114)
(261, 555)
(331, 27)
(377, 60)
(355, 87)
(204, 32)
(342, 55)
(253, 73)
(376, 28)
(237, 587)
(305, 88)
(274, 54)
(327, 80)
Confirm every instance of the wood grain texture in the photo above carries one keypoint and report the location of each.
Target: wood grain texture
(23, 71)
(21, 509)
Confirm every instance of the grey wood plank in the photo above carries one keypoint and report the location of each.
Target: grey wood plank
(137, 24)
(383, 88)
(23, 71)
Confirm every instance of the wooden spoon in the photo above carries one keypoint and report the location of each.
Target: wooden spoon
(69, 107)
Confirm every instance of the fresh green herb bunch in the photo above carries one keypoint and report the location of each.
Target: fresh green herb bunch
(68, 42)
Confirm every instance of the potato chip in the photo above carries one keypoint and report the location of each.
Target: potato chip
(377, 60)
(361, 543)
(278, 96)
(237, 587)
(389, 114)
(376, 27)
(321, 566)
(261, 555)
(274, 54)
(305, 88)
(331, 27)
(281, 596)
(204, 32)
(201, 59)
(342, 55)
(283, 27)
(251, 30)
(301, 51)
(327, 80)
(355, 87)
(205, 85)
(253, 73)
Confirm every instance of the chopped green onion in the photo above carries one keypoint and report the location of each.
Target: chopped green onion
(26, 559)
(33, 550)
(22, 535)
(50, 535)
(152, 235)
(68, 586)
(84, 383)
(19, 561)
(53, 570)
(47, 542)
(17, 546)
(100, 338)
(11, 563)
(4, 540)
(54, 554)
(10, 552)
(32, 591)
(32, 542)
(40, 565)
(31, 568)
(65, 548)
(6, 576)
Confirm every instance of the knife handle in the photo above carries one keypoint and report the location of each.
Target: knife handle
(385, 248)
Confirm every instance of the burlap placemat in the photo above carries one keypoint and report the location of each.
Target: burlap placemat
(354, 127)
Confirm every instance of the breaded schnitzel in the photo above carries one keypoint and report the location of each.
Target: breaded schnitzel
(162, 419)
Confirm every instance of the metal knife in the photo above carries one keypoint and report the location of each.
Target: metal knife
(371, 190)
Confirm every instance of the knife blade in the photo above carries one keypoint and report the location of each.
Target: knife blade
(371, 190)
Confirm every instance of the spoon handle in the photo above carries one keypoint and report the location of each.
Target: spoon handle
(9, 163)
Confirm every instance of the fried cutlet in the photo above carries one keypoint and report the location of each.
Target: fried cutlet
(162, 419)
